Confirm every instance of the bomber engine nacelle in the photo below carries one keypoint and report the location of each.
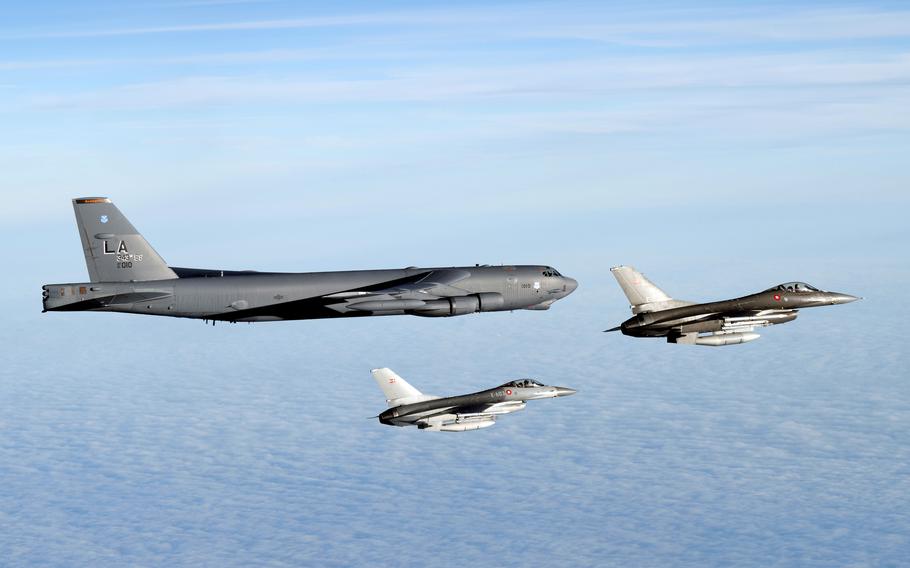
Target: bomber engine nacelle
(461, 305)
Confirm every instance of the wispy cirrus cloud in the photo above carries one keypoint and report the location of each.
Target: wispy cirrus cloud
(588, 78)
(694, 26)
(417, 17)
(226, 58)
(656, 26)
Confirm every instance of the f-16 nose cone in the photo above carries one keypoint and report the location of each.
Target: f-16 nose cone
(843, 298)
(570, 283)
(564, 391)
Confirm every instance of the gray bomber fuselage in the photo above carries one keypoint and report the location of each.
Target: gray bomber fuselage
(251, 296)
(127, 275)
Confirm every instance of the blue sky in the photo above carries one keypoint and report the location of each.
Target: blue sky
(719, 147)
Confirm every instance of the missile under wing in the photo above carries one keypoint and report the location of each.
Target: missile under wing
(725, 322)
(410, 407)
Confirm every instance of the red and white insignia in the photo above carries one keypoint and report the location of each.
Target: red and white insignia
(777, 297)
(508, 391)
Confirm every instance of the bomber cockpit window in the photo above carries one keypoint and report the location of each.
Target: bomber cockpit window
(523, 384)
(794, 287)
(549, 271)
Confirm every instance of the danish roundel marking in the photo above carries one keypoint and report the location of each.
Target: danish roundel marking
(777, 297)
(508, 391)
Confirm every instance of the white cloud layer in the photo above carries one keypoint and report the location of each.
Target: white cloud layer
(172, 443)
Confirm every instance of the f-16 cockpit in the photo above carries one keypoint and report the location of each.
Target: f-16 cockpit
(524, 384)
(793, 287)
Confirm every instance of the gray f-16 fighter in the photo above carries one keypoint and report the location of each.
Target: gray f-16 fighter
(127, 275)
(726, 322)
(410, 407)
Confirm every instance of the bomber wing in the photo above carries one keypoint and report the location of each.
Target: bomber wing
(430, 285)
(405, 293)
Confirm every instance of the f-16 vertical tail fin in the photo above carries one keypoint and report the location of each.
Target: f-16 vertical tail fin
(643, 295)
(397, 391)
(114, 249)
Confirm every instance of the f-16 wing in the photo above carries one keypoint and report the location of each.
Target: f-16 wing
(468, 417)
(731, 322)
(748, 322)
(493, 409)
(727, 329)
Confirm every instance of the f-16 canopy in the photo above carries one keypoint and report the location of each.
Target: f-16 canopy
(793, 287)
(524, 384)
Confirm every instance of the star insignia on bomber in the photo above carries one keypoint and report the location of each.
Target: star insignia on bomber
(726, 322)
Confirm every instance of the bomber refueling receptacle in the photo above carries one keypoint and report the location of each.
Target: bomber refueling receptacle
(726, 322)
(127, 275)
(410, 407)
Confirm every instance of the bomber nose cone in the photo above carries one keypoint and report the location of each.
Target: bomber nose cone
(565, 391)
(570, 283)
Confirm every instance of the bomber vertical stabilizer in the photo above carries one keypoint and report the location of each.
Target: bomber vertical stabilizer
(114, 249)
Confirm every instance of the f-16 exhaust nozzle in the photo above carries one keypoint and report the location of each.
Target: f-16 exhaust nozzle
(726, 339)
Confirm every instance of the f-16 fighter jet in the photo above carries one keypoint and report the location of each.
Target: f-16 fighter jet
(410, 407)
(726, 322)
(127, 275)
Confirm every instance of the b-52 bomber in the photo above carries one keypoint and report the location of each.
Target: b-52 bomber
(410, 407)
(727, 322)
(127, 275)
